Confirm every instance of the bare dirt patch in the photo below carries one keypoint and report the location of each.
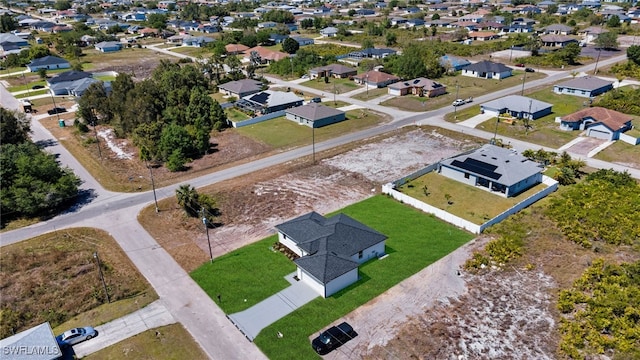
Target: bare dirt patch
(252, 205)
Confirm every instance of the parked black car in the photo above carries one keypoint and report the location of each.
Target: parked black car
(333, 338)
(36, 87)
(56, 110)
(529, 70)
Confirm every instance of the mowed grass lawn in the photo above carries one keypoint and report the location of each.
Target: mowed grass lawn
(280, 132)
(468, 202)
(173, 342)
(544, 131)
(415, 241)
(338, 86)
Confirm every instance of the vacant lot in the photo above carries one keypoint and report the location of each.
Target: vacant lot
(334, 86)
(252, 205)
(54, 277)
(171, 342)
(621, 153)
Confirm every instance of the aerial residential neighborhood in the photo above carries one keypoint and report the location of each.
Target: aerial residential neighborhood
(300, 180)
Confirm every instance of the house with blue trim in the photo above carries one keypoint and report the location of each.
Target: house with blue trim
(108, 46)
(49, 63)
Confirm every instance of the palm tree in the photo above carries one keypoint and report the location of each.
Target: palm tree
(187, 197)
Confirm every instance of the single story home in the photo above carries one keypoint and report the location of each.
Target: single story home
(330, 250)
(557, 40)
(558, 29)
(454, 63)
(487, 70)
(497, 169)
(586, 86)
(235, 49)
(377, 79)
(482, 35)
(337, 71)
(329, 31)
(598, 122)
(517, 106)
(303, 41)
(266, 55)
(419, 86)
(108, 46)
(269, 101)
(240, 88)
(49, 63)
(197, 41)
(315, 115)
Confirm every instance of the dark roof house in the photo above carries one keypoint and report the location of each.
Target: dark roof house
(240, 88)
(48, 63)
(487, 70)
(315, 115)
(330, 249)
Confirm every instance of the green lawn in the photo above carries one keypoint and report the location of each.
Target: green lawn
(544, 131)
(415, 241)
(234, 114)
(281, 132)
(621, 152)
(338, 86)
(468, 202)
(371, 94)
(193, 51)
(26, 86)
(32, 93)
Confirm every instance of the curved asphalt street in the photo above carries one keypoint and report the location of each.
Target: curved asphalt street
(187, 302)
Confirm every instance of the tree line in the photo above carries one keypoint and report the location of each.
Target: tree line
(169, 116)
(32, 182)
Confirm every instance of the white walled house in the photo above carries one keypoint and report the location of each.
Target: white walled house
(487, 70)
(330, 249)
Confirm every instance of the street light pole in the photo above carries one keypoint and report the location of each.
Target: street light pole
(104, 284)
(206, 229)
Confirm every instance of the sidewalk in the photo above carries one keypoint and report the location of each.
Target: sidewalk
(152, 316)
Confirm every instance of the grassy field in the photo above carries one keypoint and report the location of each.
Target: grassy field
(173, 343)
(283, 133)
(91, 57)
(544, 131)
(415, 240)
(234, 114)
(54, 277)
(338, 86)
(621, 152)
(371, 94)
(192, 51)
(467, 202)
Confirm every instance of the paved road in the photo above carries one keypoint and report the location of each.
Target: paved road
(188, 304)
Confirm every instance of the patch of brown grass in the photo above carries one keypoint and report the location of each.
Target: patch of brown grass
(54, 277)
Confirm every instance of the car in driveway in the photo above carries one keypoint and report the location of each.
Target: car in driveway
(529, 70)
(75, 336)
(56, 110)
(333, 338)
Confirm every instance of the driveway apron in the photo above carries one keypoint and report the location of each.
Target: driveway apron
(251, 321)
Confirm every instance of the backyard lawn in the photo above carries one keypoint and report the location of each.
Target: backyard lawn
(468, 202)
(280, 132)
(544, 131)
(415, 241)
(338, 86)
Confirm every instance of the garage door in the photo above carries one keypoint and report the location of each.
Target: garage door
(599, 134)
(490, 111)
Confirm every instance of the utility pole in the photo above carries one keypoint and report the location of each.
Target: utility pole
(524, 78)
(595, 69)
(104, 284)
(153, 186)
(56, 107)
(334, 93)
(206, 229)
(455, 108)
(313, 142)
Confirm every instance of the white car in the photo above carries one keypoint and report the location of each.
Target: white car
(458, 102)
(77, 335)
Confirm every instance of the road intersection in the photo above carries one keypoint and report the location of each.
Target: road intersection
(184, 299)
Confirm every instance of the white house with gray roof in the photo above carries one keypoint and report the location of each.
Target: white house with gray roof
(487, 70)
(330, 249)
(240, 88)
(502, 171)
(315, 115)
(586, 86)
(517, 106)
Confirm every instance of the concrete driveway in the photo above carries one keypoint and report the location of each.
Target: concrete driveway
(151, 316)
(251, 321)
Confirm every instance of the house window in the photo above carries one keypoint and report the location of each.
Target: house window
(466, 175)
(360, 255)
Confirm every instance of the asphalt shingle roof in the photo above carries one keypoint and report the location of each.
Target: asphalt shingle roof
(242, 86)
(517, 103)
(48, 60)
(586, 83)
(487, 66)
(314, 111)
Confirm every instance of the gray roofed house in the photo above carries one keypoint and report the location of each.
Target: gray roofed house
(315, 115)
(336, 70)
(269, 101)
(240, 88)
(330, 249)
(497, 169)
(37, 343)
(586, 86)
(487, 70)
(558, 29)
(48, 63)
(518, 106)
